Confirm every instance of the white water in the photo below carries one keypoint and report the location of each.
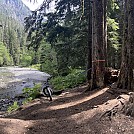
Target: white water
(14, 79)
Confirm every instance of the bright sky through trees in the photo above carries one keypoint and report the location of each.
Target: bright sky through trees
(32, 5)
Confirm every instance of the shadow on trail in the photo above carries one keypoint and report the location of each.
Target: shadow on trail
(73, 113)
(70, 126)
(64, 107)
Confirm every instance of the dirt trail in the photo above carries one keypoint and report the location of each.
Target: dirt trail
(73, 112)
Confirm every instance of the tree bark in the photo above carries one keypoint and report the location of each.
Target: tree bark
(98, 58)
(89, 64)
(105, 31)
(130, 43)
(126, 73)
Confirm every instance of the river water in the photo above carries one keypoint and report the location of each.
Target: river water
(14, 79)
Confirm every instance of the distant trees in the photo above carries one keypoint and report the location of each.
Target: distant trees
(114, 33)
(5, 58)
(13, 37)
(12, 34)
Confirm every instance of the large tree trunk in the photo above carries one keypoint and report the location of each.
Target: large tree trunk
(89, 63)
(126, 78)
(126, 73)
(130, 44)
(98, 58)
(105, 31)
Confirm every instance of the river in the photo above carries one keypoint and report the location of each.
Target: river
(14, 79)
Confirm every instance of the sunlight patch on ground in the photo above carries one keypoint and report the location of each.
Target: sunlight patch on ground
(84, 116)
(111, 103)
(73, 103)
(15, 126)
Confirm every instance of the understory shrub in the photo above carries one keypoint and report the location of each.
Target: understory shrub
(25, 60)
(27, 100)
(32, 93)
(73, 79)
(49, 67)
(13, 107)
(36, 66)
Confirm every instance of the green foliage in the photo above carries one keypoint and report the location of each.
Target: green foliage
(11, 32)
(48, 59)
(5, 58)
(32, 93)
(113, 25)
(27, 100)
(1, 61)
(73, 79)
(113, 34)
(36, 66)
(25, 60)
(49, 67)
(13, 107)
(65, 32)
(114, 38)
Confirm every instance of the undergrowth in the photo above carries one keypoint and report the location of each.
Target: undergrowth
(32, 93)
(13, 107)
(73, 79)
(36, 66)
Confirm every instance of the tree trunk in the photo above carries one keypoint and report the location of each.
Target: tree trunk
(126, 73)
(89, 64)
(98, 59)
(105, 30)
(130, 43)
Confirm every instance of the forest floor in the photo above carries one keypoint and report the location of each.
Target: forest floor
(73, 112)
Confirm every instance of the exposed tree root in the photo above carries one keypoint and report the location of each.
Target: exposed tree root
(129, 107)
(110, 113)
(125, 106)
